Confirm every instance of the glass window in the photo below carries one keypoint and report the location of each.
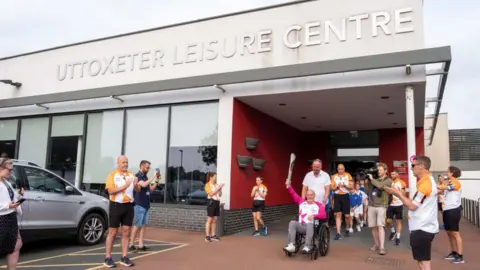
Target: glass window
(43, 181)
(67, 125)
(146, 138)
(33, 140)
(192, 152)
(104, 145)
(8, 137)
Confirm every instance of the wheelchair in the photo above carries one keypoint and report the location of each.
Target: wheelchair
(320, 241)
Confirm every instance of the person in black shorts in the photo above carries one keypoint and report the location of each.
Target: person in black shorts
(214, 192)
(258, 194)
(341, 184)
(120, 185)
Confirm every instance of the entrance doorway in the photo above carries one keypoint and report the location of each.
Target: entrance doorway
(63, 157)
(352, 166)
(7, 149)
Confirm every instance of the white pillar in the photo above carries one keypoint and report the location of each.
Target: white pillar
(224, 144)
(78, 183)
(410, 108)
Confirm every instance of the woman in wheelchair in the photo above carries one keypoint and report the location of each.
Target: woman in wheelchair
(308, 211)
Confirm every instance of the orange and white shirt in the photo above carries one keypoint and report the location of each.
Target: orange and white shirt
(453, 195)
(118, 179)
(400, 185)
(262, 189)
(209, 187)
(345, 179)
(424, 217)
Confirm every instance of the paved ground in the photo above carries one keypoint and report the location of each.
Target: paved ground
(187, 250)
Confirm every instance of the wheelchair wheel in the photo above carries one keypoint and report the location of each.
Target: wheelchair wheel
(324, 240)
(314, 254)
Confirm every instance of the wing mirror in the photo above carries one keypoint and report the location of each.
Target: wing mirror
(69, 190)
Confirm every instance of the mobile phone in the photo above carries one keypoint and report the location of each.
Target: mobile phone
(20, 201)
(157, 170)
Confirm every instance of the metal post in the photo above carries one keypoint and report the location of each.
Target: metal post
(410, 109)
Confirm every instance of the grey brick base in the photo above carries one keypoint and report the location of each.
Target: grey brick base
(192, 218)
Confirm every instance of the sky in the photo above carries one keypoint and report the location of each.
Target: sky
(30, 25)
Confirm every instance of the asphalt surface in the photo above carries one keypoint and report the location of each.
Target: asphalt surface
(67, 255)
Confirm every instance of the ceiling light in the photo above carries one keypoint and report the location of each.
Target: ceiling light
(303, 117)
(385, 97)
(282, 104)
(390, 113)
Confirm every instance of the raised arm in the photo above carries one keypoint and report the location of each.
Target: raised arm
(296, 198)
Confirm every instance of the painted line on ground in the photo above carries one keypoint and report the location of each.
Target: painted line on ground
(57, 265)
(141, 256)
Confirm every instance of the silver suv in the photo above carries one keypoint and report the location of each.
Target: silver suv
(54, 208)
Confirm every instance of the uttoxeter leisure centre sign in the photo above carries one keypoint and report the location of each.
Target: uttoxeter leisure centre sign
(313, 33)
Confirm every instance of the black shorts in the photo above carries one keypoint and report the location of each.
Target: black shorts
(395, 211)
(120, 214)
(341, 203)
(440, 207)
(213, 208)
(258, 206)
(421, 243)
(451, 219)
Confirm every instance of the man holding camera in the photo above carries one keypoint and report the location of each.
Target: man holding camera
(142, 204)
(377, 206)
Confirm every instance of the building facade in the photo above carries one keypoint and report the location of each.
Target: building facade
(342, 81)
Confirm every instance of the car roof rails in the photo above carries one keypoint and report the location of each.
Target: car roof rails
(26, 162)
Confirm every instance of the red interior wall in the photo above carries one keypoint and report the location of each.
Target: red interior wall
(393, 146)
(277, 141)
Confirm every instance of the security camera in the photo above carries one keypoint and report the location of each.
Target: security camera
(408, 69)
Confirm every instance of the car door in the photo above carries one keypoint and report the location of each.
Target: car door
(48, 204)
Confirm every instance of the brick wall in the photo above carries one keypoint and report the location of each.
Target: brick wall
(192, 218)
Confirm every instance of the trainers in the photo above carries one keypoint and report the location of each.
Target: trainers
(350, 230)
(338, 236)
(208, 239)
(450, 256)
(256, 233)
(358, 229)
(109, 263)
(290, 248)
(265, 230)
(133, 249)
(215, 238)
(126, 262)
(347, 233)
(392, 236)
(458, 260)
(144, 248)
(306, 249)
(397, 241)
(442, 227)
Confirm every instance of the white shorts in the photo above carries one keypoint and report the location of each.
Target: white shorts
(357, 212)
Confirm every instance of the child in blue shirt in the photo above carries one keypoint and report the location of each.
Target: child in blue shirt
(356, 210)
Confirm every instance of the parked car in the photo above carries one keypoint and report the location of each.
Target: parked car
(54, 208)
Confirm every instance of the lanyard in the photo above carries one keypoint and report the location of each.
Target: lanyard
(10, 191)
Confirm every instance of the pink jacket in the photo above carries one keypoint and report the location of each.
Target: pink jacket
(316, 207)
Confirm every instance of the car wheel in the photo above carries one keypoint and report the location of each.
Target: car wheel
(91, 230)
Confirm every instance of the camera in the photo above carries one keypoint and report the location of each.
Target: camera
(362, 173)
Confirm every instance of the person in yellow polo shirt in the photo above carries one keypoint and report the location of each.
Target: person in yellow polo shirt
(120, 185)
(422, 214)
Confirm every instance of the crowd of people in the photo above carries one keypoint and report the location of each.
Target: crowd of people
(373, 201)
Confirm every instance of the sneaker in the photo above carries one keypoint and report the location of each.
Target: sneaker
(450, 256)
(358, 229)
(392, 236)
(306, 249)
(256, 233)
(290, 248)
(215, 238)
(144, 248)
(265, 230)
(347, 233)
(442, 227)
(208, 239)
(458, 260)
(397, 241)
(338, 236)
(133, 249)
(350, 230)
(109, 263)
(126, 262)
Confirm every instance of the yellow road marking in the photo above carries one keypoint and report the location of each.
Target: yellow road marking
(56, 265)
(113, 253)
(144, 255)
